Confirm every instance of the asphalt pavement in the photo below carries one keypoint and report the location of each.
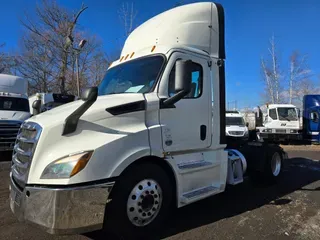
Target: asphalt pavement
(287, 210)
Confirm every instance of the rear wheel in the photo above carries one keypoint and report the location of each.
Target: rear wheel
(273, 168)
(140, 202)
(276, 164)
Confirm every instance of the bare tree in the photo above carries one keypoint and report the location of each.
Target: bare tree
(98, 68)
(299, 75)
(48, 56)
(7, 61)
(55, 26)
(179, 3)
(272, 74)
(127, 15)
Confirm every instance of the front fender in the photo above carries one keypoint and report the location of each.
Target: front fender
(115, 147)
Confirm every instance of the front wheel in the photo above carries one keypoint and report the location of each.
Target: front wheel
(140, 202)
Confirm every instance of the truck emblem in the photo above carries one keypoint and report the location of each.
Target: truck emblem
(283, 124)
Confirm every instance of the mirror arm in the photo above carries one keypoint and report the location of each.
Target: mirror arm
(72, 120)
(175, 98)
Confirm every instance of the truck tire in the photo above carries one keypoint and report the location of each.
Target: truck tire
(140, 202)
(273, 167)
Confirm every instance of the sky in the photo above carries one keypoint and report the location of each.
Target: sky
(249, 26)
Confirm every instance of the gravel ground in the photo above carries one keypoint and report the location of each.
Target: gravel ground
(288, 210)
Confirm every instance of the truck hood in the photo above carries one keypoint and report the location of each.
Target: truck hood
(14, 115)
(96, 112)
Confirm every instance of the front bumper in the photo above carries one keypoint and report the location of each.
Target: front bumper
(67, 210)
(281, 136)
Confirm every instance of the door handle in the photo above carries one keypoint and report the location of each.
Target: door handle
(203, 132)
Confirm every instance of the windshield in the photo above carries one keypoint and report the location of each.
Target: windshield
(14, 104)
(137, 76)
(288, 114)
(237, 121)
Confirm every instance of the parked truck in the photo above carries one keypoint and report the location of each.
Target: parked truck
(50, 100)
(310, 120)
(147, 139)
(280, 123)
(236, 127)
(14, 108)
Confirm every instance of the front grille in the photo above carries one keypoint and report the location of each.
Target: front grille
(280, 131)
(8, 134)
(24, 148)
(236, 133)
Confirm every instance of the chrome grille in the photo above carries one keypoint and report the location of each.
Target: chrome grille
(8, 134)
(236, 133)
(24, 148)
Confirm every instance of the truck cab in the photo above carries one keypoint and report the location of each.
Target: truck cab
(311, 115)
(14, 109)
(236, 128)
(281, 122)
(150, 136)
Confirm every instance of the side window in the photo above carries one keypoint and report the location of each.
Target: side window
(196, 85)
(273, 114)
(314, 117)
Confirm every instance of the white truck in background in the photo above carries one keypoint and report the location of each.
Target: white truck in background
(14, 108)
(147, 139)
(236, 128)
(280, 123)
(50, 100)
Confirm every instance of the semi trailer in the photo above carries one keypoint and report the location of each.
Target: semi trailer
(147, 139)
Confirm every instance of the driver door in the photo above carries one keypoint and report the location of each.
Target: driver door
(186, 125)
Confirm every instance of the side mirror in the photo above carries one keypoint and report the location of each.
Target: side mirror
(247, 124)
(89, 94)
(36, 105)
(314, 116)
(182, 84)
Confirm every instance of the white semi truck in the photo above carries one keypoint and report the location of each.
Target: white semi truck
(146, 140)
(14, 108)
(280, 123)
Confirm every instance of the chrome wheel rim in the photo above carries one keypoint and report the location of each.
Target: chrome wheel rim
(144, 202)
(276, 164)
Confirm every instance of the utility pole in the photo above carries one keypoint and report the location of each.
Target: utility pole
(77, 51)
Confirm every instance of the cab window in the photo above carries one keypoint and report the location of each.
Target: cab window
(196, 85)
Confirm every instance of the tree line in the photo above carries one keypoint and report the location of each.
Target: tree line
(48, 52)
(49, 49)
(286, 84)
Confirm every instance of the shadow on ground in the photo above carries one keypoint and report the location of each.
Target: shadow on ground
(239, 199)
(5, 156)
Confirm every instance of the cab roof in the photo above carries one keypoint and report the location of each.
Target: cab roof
(197, 25)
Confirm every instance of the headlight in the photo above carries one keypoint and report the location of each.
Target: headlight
(67, 166)
(246, 133)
